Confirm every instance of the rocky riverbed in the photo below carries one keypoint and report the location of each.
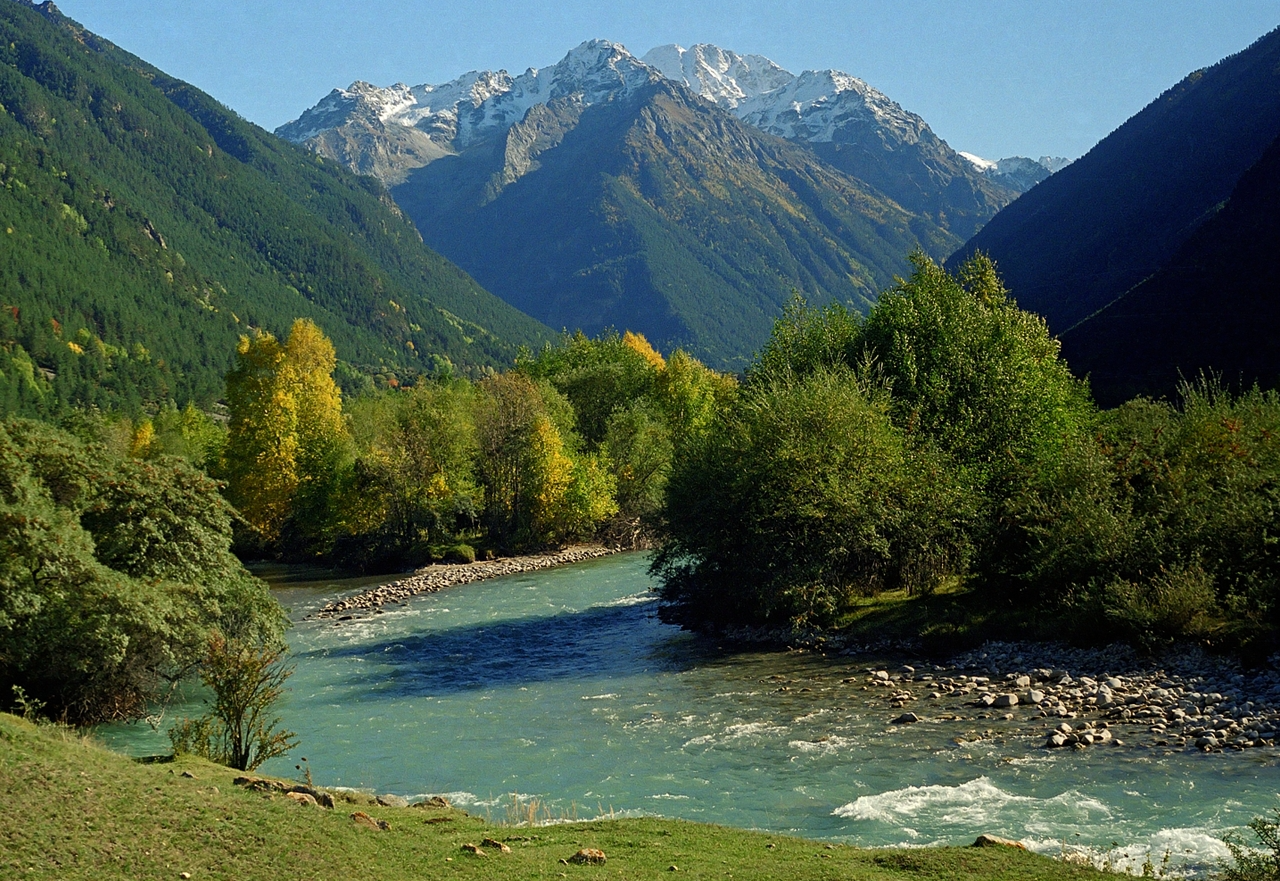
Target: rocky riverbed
(1078, 699)
(431, 579)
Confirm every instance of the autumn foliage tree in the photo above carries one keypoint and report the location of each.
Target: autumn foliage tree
(287, 437)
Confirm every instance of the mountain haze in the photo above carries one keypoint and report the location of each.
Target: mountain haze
(146, 227)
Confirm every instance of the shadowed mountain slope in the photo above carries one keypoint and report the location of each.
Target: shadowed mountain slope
(1214, 307)
(1101, 225)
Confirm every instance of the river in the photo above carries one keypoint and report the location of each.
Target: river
(561, 688)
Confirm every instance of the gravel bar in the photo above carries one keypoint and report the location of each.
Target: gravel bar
(431, 579)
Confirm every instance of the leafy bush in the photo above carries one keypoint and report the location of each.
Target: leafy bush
(802, 496)
(239, 731)
(112, 574)
(1254, 865)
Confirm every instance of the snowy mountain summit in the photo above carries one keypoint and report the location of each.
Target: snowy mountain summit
(858, 129)
(815, 106)
(479, 103)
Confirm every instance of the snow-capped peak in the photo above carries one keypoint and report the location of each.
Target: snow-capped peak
(716, 74)
(478, 103)
(978, 162)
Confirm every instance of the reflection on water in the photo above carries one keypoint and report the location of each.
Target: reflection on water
(563, 685)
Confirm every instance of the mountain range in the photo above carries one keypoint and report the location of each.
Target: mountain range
(146, 227)
(687, 194)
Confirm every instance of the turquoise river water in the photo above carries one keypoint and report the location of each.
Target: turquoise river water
(562, 689)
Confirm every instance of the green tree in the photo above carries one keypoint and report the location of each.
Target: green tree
(413, 486)
(112, 574)
(539, 487)
(800, 498)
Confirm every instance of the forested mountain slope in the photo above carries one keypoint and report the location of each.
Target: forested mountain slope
(660, 213)
(661, 196)
(146, 227)
(1093, 230)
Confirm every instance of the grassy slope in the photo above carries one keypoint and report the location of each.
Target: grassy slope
(73, 810)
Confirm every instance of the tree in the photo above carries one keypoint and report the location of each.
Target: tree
(799, 498)
(287, 442)
(539, 488)
(260, 461)
(413, 484)
(239, 731)
(112, 574)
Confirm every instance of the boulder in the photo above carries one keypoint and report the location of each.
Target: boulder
(906, 719)
(436, 801)
(363, 819)
(1007, 700)
(588, 856)
(496, 845)
(1035, 696)
(392, 801)
(473, 849)
(985, 840)
(302, 798)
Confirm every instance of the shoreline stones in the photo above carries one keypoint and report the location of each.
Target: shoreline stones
(1185, 700)
(431, 579)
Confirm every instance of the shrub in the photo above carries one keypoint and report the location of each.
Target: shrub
(1255, 865)
(239, 731)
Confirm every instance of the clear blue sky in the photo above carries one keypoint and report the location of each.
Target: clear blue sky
(993, 77)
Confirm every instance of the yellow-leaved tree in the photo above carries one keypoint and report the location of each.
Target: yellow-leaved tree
(539, 489)
(286, 439)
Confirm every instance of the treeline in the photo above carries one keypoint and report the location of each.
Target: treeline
(575, 441)
(941, 442)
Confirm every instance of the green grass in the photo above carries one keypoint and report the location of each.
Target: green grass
(75, 810)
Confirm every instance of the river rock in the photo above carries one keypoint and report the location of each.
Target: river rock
(1006, 700)
(986, 840)
(906, 719)
(1035, 696)
(589, 856)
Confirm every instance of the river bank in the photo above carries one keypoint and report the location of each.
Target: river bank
(1082, 698)
(431, 579)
